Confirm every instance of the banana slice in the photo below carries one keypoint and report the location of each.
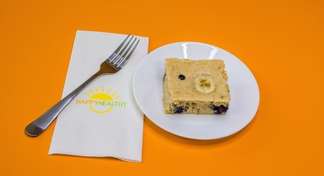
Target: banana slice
(205, 84)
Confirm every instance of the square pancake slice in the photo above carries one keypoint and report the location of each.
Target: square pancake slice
(195, 86)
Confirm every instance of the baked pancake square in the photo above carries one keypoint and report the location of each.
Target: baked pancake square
(195, 86)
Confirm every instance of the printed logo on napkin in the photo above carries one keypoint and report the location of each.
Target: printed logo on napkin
(102, 100)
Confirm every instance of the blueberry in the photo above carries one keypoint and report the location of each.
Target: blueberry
(182, 77)
(219, 109)
(215, 109)
(180, 109)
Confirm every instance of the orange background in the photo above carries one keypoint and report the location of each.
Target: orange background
(281, 41)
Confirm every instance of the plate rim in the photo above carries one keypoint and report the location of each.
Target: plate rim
(186, 136)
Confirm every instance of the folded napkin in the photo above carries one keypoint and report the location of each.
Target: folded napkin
(103, 120)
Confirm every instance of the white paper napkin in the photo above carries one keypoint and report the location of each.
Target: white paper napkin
(103, 120)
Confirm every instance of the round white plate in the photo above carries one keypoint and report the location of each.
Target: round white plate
(147, 87)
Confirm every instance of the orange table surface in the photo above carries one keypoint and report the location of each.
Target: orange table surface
(280, 41)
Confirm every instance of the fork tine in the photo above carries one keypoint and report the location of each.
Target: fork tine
(116, 54)
(122, 44)
(124, 50)
(133, 49)
(129, 49)
(120, 56)
(129, 53)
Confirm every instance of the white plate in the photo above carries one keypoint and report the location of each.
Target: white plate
(147, 87)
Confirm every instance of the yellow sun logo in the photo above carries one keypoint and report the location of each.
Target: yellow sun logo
(101, 101)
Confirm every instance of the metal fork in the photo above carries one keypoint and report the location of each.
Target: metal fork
(115, 62)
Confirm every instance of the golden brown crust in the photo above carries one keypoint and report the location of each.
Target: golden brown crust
(183, 93)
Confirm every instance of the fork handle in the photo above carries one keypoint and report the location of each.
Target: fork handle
(39, 125)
